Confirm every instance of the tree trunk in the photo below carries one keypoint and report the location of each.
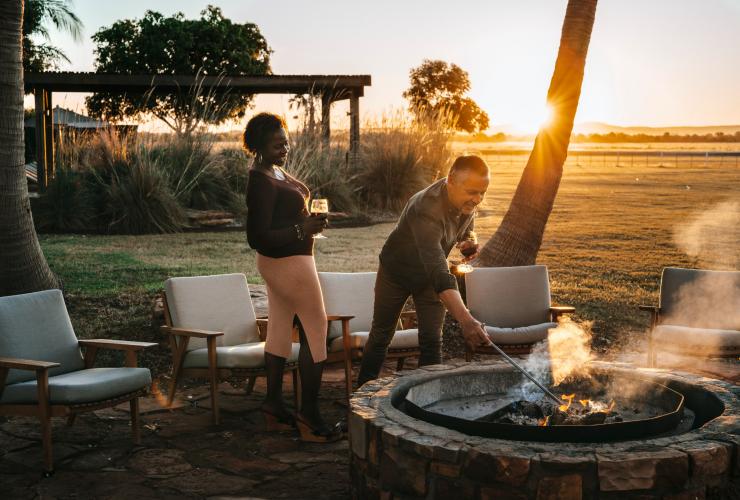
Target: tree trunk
(23, 267)
(517, 240)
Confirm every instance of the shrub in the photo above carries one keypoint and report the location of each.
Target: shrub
(136, 199)
(66, 205)
(194, 173)
(399, 157)
(323, 169)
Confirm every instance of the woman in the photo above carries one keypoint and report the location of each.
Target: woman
(280, 228)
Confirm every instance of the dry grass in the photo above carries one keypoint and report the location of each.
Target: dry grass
(610, 234)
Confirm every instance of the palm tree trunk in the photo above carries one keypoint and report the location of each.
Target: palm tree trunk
(517, 240)
(23, 267)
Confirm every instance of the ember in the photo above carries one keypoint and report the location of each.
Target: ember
(589, 411)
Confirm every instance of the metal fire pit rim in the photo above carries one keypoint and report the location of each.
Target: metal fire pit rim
(375, 397)
(595, 433)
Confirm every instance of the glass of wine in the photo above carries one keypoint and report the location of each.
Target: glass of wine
(467, 251)
(319, 206)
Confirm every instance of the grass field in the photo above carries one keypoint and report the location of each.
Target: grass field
(611, 232)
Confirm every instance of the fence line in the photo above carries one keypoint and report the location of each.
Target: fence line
(629, 158)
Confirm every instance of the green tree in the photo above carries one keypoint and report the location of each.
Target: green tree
(518, 238)
(439, 87)
(23, 267)
(209, 46)
(42, 56)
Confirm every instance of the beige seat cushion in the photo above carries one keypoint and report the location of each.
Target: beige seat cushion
(696, 340)
(82, 386)
(250, 355)
(509, 297)
(520, 335)
(402, 339)
(219, 303)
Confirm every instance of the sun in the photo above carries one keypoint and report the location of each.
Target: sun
(535, 119)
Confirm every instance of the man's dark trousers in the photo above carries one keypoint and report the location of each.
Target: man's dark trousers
(390, 298)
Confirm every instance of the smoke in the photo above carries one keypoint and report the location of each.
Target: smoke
(563, 356)
(712, 236)
(569, 346)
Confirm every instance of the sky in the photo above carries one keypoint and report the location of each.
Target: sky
(650, 62)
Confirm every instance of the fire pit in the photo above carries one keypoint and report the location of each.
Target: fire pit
(457, 431)
(478, 404)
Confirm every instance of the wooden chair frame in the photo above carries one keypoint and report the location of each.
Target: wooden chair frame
(44, 410)
(652, 354)
(179, 339)
(517, 349)
(407, 320)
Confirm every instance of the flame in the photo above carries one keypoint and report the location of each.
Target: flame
(569, 399)
(544, 421)
(584, 402)
(611, 406)
(157, 393)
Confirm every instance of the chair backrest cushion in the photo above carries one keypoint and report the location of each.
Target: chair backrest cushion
(36, 326)
(348, 294)
(220, 303)
(700, 298)
(509, 297)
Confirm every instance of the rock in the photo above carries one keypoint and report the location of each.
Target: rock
(642, 470)
(159, 463)
(403, 473)
(208, 482)
(569, 487)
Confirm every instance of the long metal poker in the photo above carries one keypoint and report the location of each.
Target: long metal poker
(525, 372)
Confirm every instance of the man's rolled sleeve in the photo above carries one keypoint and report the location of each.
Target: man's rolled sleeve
(427, 232)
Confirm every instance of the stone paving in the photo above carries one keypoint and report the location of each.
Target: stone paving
(182, 455)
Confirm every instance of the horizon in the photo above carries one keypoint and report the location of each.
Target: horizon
(673, 66)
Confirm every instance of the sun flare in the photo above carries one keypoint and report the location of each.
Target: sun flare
(535, 120)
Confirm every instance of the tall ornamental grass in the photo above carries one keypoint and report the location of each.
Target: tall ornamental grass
(124, 184)
(400, 156)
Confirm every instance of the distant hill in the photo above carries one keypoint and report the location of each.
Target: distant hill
(605, 128)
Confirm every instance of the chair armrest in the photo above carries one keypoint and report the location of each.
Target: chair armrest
(26, 364)
(129, 347)
(557, 311)
(338, 317)
(652, 309)
(408, 320)
(190, 332)
(118, 345)
(42, 376)
(562, 309)
(262, 328)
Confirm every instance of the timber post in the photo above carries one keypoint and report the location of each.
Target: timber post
(354, 129)
(326, 99)
(44, 137)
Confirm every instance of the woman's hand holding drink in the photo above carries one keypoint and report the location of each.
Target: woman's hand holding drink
(320, 209)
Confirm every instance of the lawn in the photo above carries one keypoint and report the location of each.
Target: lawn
(612, 230)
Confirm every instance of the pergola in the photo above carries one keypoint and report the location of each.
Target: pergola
(331, 88)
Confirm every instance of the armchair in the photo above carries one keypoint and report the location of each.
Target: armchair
(698, 314)
(43, 373)
(514, 303)
(214, 333)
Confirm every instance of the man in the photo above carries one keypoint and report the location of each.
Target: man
(413, 262)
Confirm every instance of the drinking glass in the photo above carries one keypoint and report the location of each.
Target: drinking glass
(319, 206)
(464, 268)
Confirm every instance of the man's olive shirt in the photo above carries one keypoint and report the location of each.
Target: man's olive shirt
(415, 253)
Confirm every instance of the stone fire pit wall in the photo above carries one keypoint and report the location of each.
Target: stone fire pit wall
(396, 456)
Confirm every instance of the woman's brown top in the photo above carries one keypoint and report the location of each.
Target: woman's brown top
(274, 207)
